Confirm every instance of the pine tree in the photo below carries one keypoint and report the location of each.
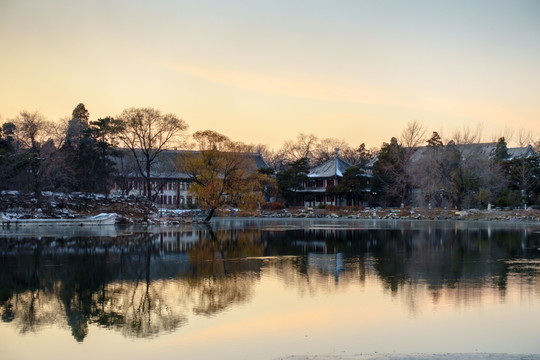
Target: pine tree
(435, 140)
(501, 151)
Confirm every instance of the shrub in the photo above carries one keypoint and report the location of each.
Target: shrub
(274, 205)
(509, 198)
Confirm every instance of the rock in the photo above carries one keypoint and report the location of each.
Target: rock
(123, 221)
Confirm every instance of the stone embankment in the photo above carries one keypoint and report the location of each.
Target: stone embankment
(140, 210)
(531, 215)
(71, 206)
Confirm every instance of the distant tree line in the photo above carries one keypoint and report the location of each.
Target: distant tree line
(416, 170)
(78, 155)
(457, 174)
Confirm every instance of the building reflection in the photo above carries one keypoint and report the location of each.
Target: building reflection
(146, 283)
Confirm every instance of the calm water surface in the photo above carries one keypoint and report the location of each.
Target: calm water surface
(261, 289)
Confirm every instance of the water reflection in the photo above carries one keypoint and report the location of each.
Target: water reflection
(146, 283)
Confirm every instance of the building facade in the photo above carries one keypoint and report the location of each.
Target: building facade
(170, 186)
(322, 178)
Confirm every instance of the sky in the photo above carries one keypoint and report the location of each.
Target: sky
(264, 71)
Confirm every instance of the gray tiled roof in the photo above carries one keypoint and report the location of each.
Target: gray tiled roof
(521, 152)
(333, 167)
(485, 150)
(165, 165)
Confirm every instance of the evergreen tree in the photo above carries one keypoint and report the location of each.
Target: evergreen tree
(291, 179)
(6, 138)
(501, 151)
(103, 134)
(435, 140)
(80, 113)
(390, 182)
(77, 125)
(523, 182)
(6, 152)
(86, 152)
(354, 185)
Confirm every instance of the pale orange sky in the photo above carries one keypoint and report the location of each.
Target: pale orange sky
(261, 72)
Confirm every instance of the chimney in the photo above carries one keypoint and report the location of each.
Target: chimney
(336, 150)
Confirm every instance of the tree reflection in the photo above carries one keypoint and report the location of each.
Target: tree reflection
(135, 286)
(89, 284)
(219, 277)
(129, 287)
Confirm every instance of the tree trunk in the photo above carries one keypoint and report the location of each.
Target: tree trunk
(210, 214)
(148, 182)
(37, 189)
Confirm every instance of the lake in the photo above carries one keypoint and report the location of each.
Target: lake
(265, 289)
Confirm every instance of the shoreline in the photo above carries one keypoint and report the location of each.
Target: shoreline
(136, 210)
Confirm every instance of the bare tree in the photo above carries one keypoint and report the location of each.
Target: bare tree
(146, 132)
(31, 129)
(393, 169)
(324, 149)
(413, 135)
(359, 156)
(33, 148)
(468, 135)
(275, 159)
(524, 137)
(303, 147)
(272, 158)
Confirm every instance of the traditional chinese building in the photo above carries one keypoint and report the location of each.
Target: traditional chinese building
(322, 178)
(170, 186)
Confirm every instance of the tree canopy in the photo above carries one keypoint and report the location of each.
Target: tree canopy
(222, 173)
(390, 181)
(146, 132)
(435, 140)
(291, 179)
(354, 186)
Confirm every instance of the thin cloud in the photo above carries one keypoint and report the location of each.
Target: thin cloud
(284, 86)
(417, 99)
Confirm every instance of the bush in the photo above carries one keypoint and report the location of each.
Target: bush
(352, 208)
(509, 198)
(274, 205)
(332, 207)
(481, 198)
